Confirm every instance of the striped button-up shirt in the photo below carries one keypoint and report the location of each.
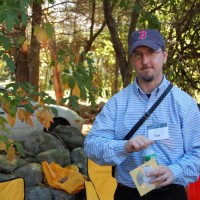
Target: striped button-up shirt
(104, 143)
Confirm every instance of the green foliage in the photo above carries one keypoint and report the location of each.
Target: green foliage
(3, 123)
(19, 148)
(13, 11)
(78, 76)
(73, 101)
(137, 8)
(7, 142)
(15, 93)
(9, 62)
(49, 29)
(123, 3)
(4, 41)
(153, 21)
(176, 26)
(178, 21)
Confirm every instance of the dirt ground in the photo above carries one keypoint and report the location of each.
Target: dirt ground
(86, 128)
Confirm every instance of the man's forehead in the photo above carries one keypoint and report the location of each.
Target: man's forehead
(143, 48)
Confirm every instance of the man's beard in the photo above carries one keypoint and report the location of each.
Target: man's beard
(148, 78)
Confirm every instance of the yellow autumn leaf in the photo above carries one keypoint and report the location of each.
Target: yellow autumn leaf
(5, 106)
(67, 59)
(24, 115)
(11, 153)
(76, 91)
(41, 103)
(25, 46)
(11, 141)
(3, 123)
(21, 92)
(66, 86)
(59, 67)
(45, 117)
(37, 30)
(38, 115)
(47, 124)
(21, 114)
(29, 120)
(48, 120)
(41, 116)
(11, 120)
(41, 36)
(2, 146)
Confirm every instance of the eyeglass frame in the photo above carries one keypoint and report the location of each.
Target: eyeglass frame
(149, 54)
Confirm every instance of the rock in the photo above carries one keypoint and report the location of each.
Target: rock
(79, 158)
(43, 146)
(38, 193)
(59, 156)
(5, 177)
(7, 166)
(71, 136)
(61, 195)
(41, 141)
(32, 174)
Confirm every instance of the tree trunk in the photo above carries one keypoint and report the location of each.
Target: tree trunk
(117, 44)
(34, 52)
(56, 73)
(21, 59)
(93, 35)
(21, 64)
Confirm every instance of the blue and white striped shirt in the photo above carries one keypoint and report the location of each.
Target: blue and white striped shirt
(104, 144)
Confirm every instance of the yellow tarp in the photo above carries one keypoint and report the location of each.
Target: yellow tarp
(101, 185)
(90, 191)
(12, 189)
(65, 178)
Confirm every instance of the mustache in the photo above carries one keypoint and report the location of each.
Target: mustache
(146, 67)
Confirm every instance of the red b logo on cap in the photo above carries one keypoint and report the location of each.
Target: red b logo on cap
(143, 35)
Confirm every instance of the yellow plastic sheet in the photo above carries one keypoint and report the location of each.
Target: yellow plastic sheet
(101, 181)
(12, 189)
(67, 178)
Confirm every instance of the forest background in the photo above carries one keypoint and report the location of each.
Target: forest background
(79, 48)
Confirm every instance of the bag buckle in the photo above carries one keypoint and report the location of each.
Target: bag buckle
(147, 114)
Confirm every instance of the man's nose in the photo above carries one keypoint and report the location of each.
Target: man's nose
(145, 58)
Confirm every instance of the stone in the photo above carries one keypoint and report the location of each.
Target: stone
(32, 174)
(39, 142)
(7, 166)
(59, 156)
(39, 193)
(79, 158)
(71, 136)
(43, 146)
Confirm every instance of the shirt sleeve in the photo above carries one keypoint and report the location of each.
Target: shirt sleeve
(187, 168)
(100, 144)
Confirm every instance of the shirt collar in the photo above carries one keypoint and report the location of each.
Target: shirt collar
(158, 90)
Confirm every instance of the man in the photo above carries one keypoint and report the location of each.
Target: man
(178, 153)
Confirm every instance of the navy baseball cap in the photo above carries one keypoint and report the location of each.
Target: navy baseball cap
(150, 38)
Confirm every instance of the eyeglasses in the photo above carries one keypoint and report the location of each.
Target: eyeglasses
(137, 55)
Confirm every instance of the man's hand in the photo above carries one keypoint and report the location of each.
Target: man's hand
(161, 176)
(137, 143)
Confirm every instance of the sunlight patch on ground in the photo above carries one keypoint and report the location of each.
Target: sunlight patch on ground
(86, 128)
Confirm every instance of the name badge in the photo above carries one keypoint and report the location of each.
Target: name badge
(158, 131)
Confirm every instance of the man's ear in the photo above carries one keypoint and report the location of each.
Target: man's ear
(165, 56)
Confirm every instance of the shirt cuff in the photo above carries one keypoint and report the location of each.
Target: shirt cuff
(120, 152)
(177, 172)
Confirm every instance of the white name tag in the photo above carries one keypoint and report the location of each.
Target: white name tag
(158, 131)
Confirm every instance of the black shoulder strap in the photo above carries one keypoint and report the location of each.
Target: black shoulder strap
(147, 114)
